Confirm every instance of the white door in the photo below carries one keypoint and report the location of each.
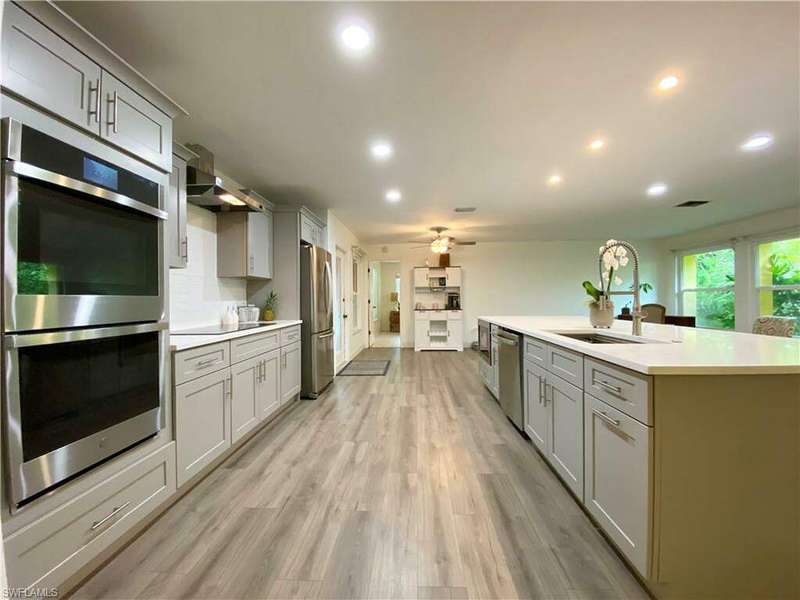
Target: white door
(340, 312)
(374, 314)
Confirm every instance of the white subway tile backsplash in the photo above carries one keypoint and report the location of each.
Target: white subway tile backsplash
(196, 295)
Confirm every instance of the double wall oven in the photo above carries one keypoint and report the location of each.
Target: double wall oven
(84, 330)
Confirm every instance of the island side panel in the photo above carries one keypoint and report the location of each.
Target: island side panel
(727, 486)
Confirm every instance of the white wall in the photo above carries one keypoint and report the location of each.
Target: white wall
(196, 295)
(340, 236)
(514, 278)
(739, 234)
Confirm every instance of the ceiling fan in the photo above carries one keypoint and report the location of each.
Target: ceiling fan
(442, 244)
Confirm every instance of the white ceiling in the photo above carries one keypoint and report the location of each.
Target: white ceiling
(483, 101)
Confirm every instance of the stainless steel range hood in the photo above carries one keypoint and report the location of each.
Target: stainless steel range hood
(207, 189)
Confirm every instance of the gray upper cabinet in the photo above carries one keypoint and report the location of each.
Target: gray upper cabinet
(244, 244)
(43, 68)
(132, 123)
(177, 240)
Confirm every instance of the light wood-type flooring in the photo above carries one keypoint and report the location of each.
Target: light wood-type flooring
(411, 485)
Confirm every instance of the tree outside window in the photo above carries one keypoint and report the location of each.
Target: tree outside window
(707, 287)
(778, 279)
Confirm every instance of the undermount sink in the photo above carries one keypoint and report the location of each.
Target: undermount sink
(602, 338)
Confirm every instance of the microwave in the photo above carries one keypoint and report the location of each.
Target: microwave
(83, 237)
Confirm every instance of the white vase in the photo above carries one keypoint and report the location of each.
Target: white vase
(601, 318)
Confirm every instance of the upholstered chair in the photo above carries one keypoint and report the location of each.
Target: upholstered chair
(777, 326)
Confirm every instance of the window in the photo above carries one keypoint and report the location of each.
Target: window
(355, 309)
(706, 287)
(778, 279)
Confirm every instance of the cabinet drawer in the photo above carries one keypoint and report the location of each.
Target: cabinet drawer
(567, 364)
(624, 390)
(618, 480)
(253, 345)
(197, 362)
(535, 351)
(290, 334)
(454, 315)
(51, 549)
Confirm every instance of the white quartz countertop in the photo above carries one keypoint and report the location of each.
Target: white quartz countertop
(178, 342)
(687, 351)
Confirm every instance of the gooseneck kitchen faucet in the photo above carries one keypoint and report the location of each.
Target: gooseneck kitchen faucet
(636, 314)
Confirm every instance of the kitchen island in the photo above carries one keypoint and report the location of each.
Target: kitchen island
(683, 445)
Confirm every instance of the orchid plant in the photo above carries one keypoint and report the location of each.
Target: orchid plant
(614, 258)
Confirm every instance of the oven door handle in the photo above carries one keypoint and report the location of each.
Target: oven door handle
(22, 340)
(29, 171)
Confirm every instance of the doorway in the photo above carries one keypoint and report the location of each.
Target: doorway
(384, 304)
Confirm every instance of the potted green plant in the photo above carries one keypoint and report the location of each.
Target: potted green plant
(270, 306)
(601, 308)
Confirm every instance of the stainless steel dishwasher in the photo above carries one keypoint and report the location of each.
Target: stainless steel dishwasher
(510, 385)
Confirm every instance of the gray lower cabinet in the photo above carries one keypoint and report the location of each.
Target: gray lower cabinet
(245, 396)
(565, 431)
(46, 552)
(244, 244)
(536, 412)
(43, 68)
(269, 396)
(132, 123)
(618, 455)
(202, 422)
(290, 372)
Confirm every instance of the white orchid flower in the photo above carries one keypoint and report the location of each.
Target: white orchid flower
(623, 261)
(617, 281)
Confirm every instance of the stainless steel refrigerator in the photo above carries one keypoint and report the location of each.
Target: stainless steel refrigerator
(316, 311)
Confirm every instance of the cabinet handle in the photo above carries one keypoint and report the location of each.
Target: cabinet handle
(185, 248)
(109, 516)
(608, 387)
(262, 367)
(115, 112)
(96, 91)
(206, 363)
(251, 264)
(606, 418)
(541, 391)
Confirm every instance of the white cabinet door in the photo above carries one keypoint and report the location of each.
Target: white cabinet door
(565, 443)
(455, 331)
(618, 487)
(43, 68)
(453, 276)
(306, 229)
(537, 416)
(177, 242)
(290, 372)
(270, 392)
(323, 237)
(421, 325)
(134, 124)
(202, 422)
(259, 239)
(420, 277)
(245, 404)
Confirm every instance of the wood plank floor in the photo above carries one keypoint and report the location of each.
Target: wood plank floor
(411, 485)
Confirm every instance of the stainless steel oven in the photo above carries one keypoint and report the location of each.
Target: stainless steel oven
(485, 340)
(77, 397)
(83, 237)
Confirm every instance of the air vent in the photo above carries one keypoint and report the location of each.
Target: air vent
(691, 203)
(464, 209)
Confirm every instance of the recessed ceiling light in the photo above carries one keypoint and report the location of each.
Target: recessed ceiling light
(393, 195)
(381, 150)
(554, 180)
(668, 82)
(355, 37)
(758, 141)
(657, 189)
(597, 144)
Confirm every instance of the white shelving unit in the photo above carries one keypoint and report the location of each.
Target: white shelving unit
(435, 326)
